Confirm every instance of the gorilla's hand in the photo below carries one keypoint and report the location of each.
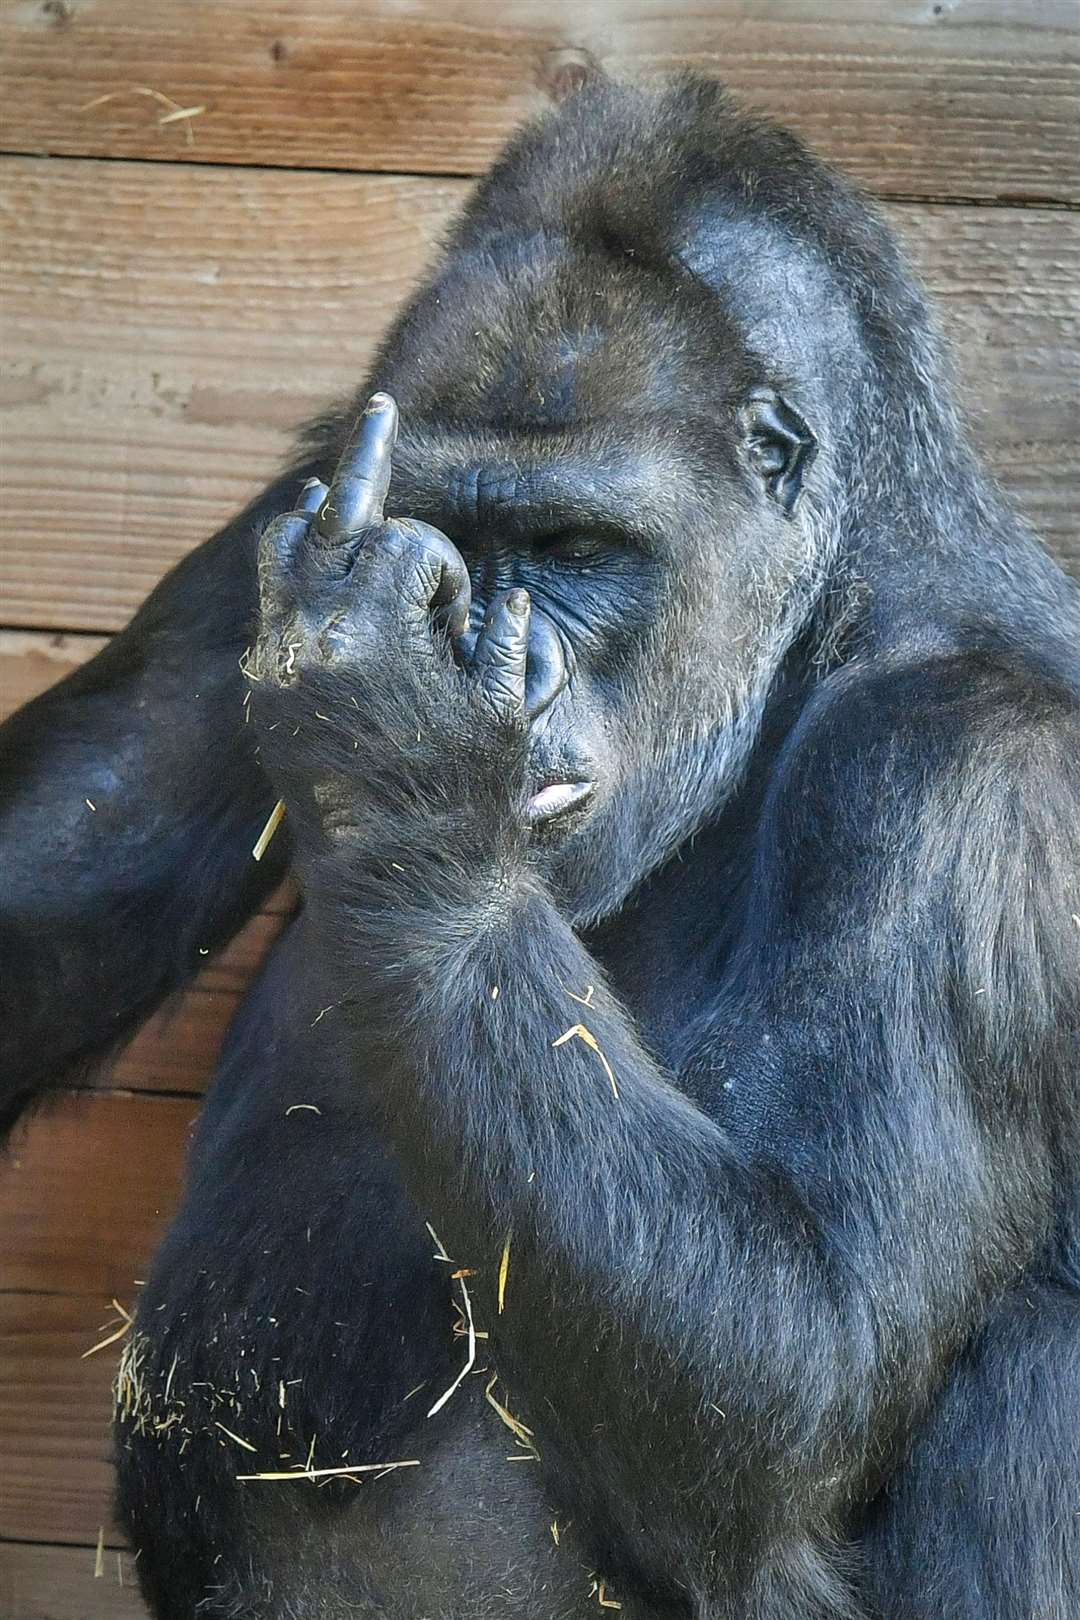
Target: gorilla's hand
(372, 726)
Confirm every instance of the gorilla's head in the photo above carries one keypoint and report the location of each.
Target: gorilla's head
(644, 383)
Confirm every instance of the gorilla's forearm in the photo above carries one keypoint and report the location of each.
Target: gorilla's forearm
(651, 1267)
(130, 797)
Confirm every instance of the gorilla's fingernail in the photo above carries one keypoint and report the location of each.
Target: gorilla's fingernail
(378, 403)
(312, 495)
(518, 601)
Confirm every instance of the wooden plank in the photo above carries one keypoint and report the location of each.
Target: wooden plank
(55, 1415)
(84, 1195)
(1006, 284)
(914, 98)
(177, 1049)
(164, 326)
(86, 1189)
(57, 1583)
(165, 329)
(30, 662)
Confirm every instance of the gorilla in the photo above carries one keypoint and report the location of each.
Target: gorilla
(646, 1175)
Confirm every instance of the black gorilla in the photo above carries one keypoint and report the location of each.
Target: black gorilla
(691, 855)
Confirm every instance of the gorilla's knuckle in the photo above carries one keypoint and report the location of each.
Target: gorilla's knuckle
(502, 687)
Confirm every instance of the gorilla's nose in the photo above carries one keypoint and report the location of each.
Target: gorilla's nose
(547, 671)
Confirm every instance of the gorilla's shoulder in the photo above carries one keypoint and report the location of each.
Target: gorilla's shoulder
(935, 802)
(955, 771)
(991, 701)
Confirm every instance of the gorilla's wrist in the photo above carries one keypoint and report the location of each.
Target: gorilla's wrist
(393, 943)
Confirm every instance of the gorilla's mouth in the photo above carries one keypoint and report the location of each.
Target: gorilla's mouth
(556, 799)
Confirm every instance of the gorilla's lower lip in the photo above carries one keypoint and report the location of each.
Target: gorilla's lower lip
(555, 798)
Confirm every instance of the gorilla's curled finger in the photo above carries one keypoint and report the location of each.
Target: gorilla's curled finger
(279, 547)
(500, 656)
(411, 574)
(341, 583)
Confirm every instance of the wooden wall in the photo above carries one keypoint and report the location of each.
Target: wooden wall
(178, 291)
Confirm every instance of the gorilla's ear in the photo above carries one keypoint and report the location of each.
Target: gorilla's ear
(779, 443)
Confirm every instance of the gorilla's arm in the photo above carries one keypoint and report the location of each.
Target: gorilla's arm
(721, 1333)
(130, 798)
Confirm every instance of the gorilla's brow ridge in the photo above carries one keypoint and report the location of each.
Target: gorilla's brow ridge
(617, 493)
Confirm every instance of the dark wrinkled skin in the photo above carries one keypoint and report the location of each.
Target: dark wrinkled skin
(681, 749)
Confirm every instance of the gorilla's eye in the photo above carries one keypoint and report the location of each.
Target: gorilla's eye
(780, 445)
(573, 546)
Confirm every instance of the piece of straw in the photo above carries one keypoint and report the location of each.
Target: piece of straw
(328, 1473)
(274, 820)
(470, 1357)
(125, 1327)
(247, 1445)
(504, 1267)
(579, 1032)
(173, 114)
(523, 1435)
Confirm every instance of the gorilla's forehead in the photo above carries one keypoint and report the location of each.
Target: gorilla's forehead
(537, 331)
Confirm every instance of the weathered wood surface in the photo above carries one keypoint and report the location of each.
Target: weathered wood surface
(86, 1188)
(58, 1583)
(949, 99)
(175, 1051)
(55, 1411)
(165, 329)
(30, 661)
(84, 1193)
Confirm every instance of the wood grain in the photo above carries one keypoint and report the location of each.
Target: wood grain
(55, 1413)
(165, 329)
(177, 1049)
(953, 99)
(86, 1189)
(1006, 286)
(31, 661)
(84, 1194)
(57, 1583)
(166, 326)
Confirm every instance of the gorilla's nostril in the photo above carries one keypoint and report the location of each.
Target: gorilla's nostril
(546, 673)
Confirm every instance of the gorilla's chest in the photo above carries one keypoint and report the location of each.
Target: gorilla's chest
(666, 952)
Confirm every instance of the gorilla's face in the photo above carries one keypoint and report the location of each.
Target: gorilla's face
(576, 434)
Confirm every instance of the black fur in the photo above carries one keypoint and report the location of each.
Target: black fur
(792, 1300)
